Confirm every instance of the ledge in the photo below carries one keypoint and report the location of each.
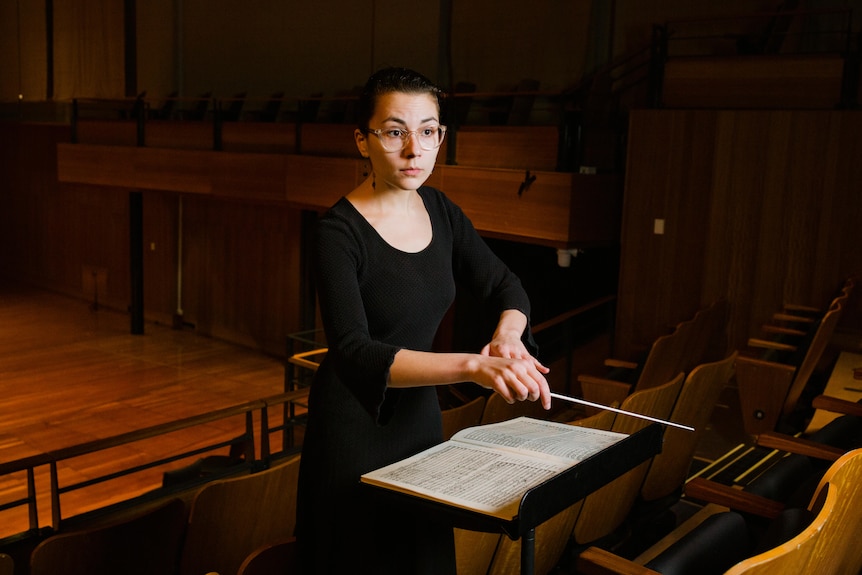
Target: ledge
(558, 209)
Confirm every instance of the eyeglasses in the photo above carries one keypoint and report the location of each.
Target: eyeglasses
(396, 139)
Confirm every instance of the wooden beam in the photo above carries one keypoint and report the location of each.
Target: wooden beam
(551, 208)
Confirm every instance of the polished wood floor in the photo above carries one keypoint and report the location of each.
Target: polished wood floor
(70, 374)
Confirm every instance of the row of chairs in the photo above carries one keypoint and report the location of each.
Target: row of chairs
(790, 518)
(778, 368)
(651, 487)
(821, 538)
(512, 106)
(793, 516)
(689, 343)
(779, 516)
(240, 525)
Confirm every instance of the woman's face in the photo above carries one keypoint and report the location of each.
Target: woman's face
(407, 168)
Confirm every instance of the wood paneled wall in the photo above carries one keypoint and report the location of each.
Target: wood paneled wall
(759, 207)
(239, 279)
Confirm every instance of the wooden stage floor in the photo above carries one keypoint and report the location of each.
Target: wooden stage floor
(71, 374)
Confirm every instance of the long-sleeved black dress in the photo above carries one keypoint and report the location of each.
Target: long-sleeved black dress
(374, 301)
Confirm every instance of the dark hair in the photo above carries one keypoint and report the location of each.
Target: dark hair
(393, 79)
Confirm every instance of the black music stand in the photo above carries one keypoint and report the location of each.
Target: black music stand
(540, 503)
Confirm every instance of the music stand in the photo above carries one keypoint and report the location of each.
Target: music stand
(540, 503)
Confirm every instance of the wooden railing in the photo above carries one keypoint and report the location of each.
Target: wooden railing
(794, 59)
(246, 441)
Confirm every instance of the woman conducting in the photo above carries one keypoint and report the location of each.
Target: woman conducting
(388, 257)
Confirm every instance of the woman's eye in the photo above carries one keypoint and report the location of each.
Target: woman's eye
(429, 131)
(394, 133)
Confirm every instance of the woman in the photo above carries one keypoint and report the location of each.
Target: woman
(388, 256)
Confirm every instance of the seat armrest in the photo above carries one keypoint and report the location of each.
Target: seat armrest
(837, 405)
(620, 363)
(596, 561)
(799, 445)
(719, 494)
(769, 344)
(795, 307)
(792, 318)
(780, 330)
(602, 390)
(303, 359)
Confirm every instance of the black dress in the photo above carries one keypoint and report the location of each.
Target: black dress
(374, 301)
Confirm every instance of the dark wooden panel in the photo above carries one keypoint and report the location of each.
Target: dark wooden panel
(760, 207)
(555, 208)
(512, 147)
(767, 82)
(251, 177)
(261, 137)
(179, 135)
(108, 132)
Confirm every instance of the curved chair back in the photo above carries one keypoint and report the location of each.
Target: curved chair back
(147, 542)
(496, 410)
(467, 415)
(7, 565)
(829, 545)
(231, 518)
(278, 557)
(604, 510)
(694, 407)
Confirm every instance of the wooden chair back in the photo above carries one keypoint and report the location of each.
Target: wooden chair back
(145, 543)
(606, 509)
(474, 551)
(7, 565)
(829, 545)
(699, 395)
(496, 410)
(822, 337)
(769, 389)
(231, 518)
(467, 415)
(666, 357)
(552, 536)
(708, 343)
(278, 557)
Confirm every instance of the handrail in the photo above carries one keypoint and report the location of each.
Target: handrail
(761, 15)
(51, 458)
(673, 27)
(563, 317)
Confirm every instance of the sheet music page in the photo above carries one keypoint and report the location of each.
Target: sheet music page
(538, 437)
(489, 468)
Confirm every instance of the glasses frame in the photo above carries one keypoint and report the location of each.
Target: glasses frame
(406, 138)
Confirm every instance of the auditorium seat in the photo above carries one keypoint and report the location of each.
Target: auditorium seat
(602, 512)
(141, 544)
(231, 518)
(234, 108)
(497, 409)
(457, 418)
(271, 559)
(664, 360)
(7, 565)
(771, 387)
(821, 538)
(700, 393)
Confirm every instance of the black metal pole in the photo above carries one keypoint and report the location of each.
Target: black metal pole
(136, 261)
